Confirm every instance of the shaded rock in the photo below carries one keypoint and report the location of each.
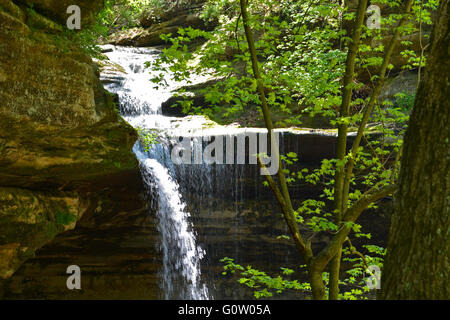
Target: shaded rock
(405, 82)
(397, 59)
(155, 15)
(12, 9)
(29, 219)
(57, 9)
(61, 137)
(172, 107)
(111, 72)
(152, 36)
(113, 244)
(250, 116)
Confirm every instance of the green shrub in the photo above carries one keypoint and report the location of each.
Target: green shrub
(405, 101)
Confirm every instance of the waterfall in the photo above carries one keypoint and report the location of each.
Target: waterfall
(234, 214)
(140, 105)
(181, 255)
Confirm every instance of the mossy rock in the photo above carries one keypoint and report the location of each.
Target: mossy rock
(30, 219)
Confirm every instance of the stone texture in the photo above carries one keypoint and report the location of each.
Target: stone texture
(405, 81)
(155, 15)
(57, 9)
(56, 118)
(29, 219)
(152, 36)
(167, 20)
(113, 244)
(61, 138)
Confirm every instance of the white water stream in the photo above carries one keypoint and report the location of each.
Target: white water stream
(140, 105)
(225, 200)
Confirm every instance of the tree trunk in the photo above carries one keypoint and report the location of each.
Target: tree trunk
(417, 263)
(316, 282)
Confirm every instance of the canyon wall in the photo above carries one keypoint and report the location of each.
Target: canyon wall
(62, 141)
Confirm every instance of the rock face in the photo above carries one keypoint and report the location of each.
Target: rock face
(57, 9)
(405, 82)
(113, 244)
(152, 36)
(157, 22)
(29, 219)
(168, 11)
(61, 139)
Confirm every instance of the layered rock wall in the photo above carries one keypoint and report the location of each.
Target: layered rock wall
(61, 138)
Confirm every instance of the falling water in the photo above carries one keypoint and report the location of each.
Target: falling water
(181, 255)
(234, 215)
(140, 105)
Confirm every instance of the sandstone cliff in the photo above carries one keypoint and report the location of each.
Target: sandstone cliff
(61, 138)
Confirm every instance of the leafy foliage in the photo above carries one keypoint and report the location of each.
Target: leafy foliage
(263, 284)
(301, 66)
(301, 48)
(125, 14)
(116, 15)
(147, 138)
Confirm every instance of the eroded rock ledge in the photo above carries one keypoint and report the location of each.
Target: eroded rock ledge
(155, 23)
(61, 138)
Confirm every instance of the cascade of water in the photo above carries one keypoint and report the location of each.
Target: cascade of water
(131, 83)
(226, 201)
(140, 105)
(181, 255)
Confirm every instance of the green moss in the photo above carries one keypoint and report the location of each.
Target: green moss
(110, 102)
(50, 231)
(11, 8)
(64, 218)
(28, 235)
(38, 21)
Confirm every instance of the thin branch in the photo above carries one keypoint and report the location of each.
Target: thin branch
(272, 185)
(303, 248)
(374, 98)
(340, 202)
(350, 216)
(236, 31)
(356, 252)
(288, 211)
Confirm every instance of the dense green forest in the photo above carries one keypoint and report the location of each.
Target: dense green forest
(371, 74)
